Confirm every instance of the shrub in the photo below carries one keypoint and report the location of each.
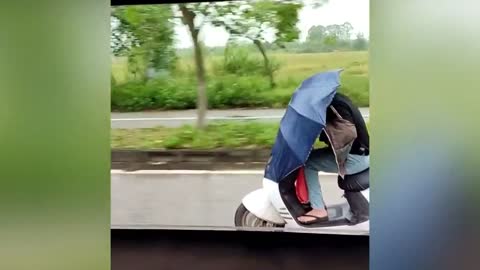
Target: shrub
(173, 94)
(238, 61)
(224, 91)
(227, 91)
(132, 96)
(232, 91)
(241, 61)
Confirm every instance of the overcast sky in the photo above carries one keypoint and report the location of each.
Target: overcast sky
(334, 12)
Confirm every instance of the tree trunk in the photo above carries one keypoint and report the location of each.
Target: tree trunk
(268, 67)
(188, 18)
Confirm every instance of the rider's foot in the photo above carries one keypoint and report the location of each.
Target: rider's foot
(315, 215)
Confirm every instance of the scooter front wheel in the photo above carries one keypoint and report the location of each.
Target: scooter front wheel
(244, 218)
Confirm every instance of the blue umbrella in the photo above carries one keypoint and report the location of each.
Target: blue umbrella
(302, 123)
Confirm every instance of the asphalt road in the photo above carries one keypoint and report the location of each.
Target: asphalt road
(185, 199)
(179, 118)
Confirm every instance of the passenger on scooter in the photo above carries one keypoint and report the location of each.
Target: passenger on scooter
(356, 158)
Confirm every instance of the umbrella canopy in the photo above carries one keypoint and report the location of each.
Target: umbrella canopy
(302, 123)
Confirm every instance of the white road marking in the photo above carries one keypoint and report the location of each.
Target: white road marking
(208, 118)
(194, 118)
(199, 172)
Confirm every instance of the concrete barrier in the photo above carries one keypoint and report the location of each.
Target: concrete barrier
(189, 159)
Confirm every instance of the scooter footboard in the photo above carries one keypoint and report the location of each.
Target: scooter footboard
(259, 204)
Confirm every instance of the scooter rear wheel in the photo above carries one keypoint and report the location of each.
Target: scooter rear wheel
(244, 218)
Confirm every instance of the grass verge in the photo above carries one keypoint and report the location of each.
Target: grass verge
(219, 135)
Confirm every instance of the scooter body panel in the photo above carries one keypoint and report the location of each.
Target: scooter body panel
(267, 204)
(259, 204)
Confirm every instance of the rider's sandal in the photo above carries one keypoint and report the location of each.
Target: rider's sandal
(314, 221)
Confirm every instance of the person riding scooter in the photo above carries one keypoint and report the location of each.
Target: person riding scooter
(347, 152)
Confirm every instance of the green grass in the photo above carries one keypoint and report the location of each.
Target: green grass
(294, 68)
(297, 67)
(304, 65)
(120, 69)
(220, 135)
(230, 135)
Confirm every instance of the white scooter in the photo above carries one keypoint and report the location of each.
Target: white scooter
(276, 207)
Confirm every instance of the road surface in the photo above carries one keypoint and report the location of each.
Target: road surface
(188, 198)
(180, 118)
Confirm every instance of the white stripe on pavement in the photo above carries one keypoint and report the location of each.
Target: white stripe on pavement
(199, 172)
(208, 118)
(194, 118)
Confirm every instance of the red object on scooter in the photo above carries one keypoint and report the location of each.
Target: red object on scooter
(301, 186)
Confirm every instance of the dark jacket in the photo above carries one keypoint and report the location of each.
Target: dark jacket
(350, 112)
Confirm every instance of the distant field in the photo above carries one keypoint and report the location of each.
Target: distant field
(297, 67)
(292, 65)
(304, 65)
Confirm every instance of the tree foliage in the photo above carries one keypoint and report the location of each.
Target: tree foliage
(360, 43)
(333, 37)
(247, 19)
(146, 35)
(263, 20)
(259, 21)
